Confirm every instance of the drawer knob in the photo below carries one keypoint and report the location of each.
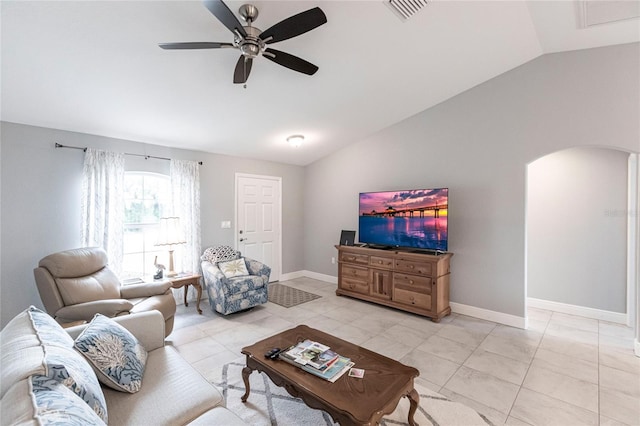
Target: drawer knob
(410, 281)
(379, 261)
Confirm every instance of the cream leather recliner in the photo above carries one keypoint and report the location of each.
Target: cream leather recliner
(76, 284)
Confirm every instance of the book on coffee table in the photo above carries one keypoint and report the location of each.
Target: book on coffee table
(332, 373)
(309, 352)
(317, 359)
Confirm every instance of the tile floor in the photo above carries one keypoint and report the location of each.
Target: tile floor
(565, 370)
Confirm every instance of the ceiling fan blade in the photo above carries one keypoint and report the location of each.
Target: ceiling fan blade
(194, 45)
(290, 61)
(225, 15)
(243, 69)
(294, 26)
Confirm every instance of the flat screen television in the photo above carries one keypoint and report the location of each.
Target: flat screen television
(415, 219)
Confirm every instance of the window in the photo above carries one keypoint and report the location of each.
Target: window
(146, 200)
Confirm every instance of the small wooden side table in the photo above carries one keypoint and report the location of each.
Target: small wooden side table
(185, 281)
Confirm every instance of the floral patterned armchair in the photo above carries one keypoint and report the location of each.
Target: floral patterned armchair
(237, 293)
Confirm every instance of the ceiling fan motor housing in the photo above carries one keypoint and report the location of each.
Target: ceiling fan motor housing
(250, 46)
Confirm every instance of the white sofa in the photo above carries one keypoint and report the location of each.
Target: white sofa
(172, 392)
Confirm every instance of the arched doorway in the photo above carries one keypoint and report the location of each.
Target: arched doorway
(582, 232)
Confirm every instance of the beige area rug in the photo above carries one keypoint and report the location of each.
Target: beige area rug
(270, 405)
(286, 296)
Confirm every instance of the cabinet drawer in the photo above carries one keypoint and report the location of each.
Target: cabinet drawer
(355, 273)
(421, 268)
(355, 285)
(381, 262)
(361, 259)
(416, 282)
(408, 297)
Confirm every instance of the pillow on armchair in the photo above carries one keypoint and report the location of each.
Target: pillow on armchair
(233, 268)
(219, 254)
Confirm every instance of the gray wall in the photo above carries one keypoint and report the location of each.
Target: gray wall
(479, 144)
(40, 196)
(577, 228)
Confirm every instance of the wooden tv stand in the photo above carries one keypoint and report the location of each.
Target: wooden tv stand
(411, 281)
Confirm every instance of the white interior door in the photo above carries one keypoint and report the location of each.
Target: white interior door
(258, 220)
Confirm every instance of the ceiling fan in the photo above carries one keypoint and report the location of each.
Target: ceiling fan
(253, 42)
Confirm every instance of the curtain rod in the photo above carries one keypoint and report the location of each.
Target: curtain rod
(146, 157)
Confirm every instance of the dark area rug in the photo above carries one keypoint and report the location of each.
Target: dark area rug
(286, 296)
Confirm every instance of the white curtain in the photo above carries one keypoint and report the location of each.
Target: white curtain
(103, 203)
(185, 196)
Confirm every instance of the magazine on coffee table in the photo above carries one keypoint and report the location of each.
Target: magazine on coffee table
(311, 353)
(317, 359)
(334, 372)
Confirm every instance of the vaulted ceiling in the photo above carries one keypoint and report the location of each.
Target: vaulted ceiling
(95, 67)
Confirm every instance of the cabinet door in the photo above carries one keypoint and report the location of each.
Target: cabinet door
(413, 290)
(354, 278)
(380, 283)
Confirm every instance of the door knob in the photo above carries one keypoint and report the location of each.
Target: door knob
(242, 239)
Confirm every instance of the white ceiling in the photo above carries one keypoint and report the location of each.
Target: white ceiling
(95, 67)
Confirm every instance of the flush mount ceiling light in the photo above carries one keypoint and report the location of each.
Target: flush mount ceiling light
(295, 140)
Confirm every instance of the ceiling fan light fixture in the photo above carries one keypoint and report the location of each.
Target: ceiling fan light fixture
(295, 140)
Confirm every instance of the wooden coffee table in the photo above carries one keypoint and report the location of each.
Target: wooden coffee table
(350, 401)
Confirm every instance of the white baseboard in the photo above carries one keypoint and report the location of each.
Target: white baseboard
(291, 275)
(582, 311)
(485, 314)
(309, 274)
(636, 347)
(472, 311)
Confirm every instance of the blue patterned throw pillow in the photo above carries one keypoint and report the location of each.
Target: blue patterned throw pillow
(67, 367)
(64, 365)
(48, 330)
(116, 355)
(56, 404)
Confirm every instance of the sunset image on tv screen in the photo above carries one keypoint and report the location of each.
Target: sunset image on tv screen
(414, 218)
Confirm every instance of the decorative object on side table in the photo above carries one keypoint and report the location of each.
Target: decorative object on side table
(185, 280)
(170, 234)
(159, 269)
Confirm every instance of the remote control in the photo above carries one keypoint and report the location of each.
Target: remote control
(272, 353)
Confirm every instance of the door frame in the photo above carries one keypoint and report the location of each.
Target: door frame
(631, 317)
(278, 180)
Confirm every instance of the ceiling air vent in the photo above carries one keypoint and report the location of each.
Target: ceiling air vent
(405, 9)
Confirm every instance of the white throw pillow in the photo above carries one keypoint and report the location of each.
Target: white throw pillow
(234, 268)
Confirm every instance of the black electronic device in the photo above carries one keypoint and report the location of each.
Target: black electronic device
(347, 238)
(272, 353)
